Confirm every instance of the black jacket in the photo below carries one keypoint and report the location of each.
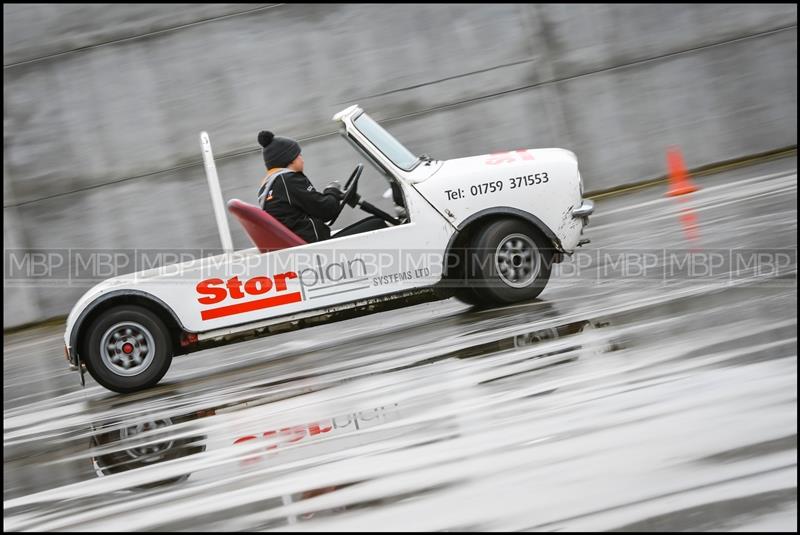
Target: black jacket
(293, 201)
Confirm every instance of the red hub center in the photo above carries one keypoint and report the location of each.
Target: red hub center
(127, 348)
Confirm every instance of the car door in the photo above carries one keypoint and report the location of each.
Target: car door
(248, 287)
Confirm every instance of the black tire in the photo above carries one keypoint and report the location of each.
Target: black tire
(456, 284)
(467, 295)
(133, 328)
(509, 261)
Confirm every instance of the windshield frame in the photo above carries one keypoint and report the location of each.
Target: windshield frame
(417, 159)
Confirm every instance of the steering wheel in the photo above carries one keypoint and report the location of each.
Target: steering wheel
(350, 188)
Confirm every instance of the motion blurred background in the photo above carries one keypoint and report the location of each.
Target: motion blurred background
(103, 103)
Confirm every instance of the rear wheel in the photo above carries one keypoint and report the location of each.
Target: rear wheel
(127, 348)
(509, 261)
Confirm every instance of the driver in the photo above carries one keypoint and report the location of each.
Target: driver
(288, 196)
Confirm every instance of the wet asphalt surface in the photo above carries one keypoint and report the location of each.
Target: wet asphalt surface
(634, 394)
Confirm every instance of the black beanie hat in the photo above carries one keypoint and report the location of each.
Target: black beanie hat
(277, 151)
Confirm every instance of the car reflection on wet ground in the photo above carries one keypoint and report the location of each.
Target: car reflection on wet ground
(606, 404)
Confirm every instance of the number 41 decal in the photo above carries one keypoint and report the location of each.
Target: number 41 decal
(509, 157)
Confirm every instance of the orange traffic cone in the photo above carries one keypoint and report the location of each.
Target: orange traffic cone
(679, 181)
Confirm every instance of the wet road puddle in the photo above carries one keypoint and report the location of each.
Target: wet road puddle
(322, 434)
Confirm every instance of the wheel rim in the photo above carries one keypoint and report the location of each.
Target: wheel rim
(528, 339)
(127, 349)
(146, 452)
(517, 261)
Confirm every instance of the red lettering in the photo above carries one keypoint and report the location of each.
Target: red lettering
(287, 434)
(280, 280)
(235, 288)
(244, 439)
(500, 157)
(216, 294)
(525, 154)
(268, 434)
(258, 285)
(250, 459)
(296, 433)
(216, 290)
(315, 429)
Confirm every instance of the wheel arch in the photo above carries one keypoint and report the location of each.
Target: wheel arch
(128, 297)
(478, 220)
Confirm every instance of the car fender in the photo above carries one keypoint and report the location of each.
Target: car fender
(540, 185)
(468, 224)
(93, 299)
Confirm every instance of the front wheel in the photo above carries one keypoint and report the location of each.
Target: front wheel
(127, 348)
(509, 261)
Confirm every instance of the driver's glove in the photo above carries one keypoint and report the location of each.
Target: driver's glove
(335, 189)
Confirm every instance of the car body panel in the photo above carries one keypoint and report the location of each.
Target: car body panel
(542, 182)
(326, 273)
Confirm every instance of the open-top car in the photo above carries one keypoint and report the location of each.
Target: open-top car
(486, 228)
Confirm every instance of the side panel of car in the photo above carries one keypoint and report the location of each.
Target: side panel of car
(542, 182)
(247, 287)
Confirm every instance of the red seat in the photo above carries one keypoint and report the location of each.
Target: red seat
(266, 232)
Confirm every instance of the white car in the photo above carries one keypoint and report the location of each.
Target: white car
(485, 228)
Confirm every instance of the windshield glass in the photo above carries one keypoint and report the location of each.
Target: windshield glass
(383, 140)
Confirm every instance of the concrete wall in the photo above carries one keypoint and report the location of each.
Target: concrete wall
(103, 104)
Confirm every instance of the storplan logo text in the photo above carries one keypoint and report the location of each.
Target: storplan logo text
(262, 291)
